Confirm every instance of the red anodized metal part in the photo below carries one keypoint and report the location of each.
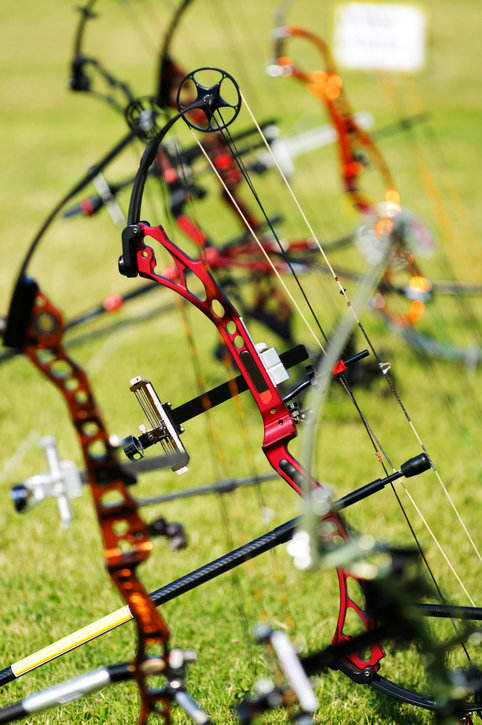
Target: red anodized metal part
(279, 427)
(125, 537)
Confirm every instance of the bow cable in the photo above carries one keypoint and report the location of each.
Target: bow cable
(359, 324)
(365, 335)
(447, 223)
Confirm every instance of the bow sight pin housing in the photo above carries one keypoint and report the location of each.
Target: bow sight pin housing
(62, 481)
(163, 429)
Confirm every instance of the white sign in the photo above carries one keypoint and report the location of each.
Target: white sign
(379, 36)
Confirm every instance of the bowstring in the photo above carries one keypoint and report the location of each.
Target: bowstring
(447, 185)
(389, 381)
(372, 348)
(371, 434)
(374, 440)
(217, 455)
(446, 221)
(377, 446)
(318, 396)
(252, 465)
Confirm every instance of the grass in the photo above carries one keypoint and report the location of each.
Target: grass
(53, 580)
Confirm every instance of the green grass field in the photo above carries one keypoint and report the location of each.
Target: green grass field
(53, 581)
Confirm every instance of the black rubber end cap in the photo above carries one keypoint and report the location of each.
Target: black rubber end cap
(19, 312)
(415, 465)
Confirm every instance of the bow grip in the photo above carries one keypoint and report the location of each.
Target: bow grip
(128, 260)
(19, 312)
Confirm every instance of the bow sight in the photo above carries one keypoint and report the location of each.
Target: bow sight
(63, 481)
(163, 428)
(166, 421)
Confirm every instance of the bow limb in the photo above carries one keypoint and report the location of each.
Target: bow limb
(168, 71)
(170, 76)
(80, 81)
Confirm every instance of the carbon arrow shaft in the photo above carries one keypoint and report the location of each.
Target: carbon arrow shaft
(279, 535)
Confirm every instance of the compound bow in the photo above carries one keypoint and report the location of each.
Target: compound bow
(258, 370)
(36, 326)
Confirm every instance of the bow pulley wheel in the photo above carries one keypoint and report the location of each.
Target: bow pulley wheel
(211, 89)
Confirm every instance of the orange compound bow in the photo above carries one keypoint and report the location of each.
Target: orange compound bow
(36, 326)
(356, 150)
(356, 147)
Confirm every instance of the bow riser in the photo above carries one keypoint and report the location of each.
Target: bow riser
(279, 427)
(125, 538)
(371, 664)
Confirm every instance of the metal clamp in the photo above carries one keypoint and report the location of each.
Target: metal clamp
(63, 481)
(163, 430)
